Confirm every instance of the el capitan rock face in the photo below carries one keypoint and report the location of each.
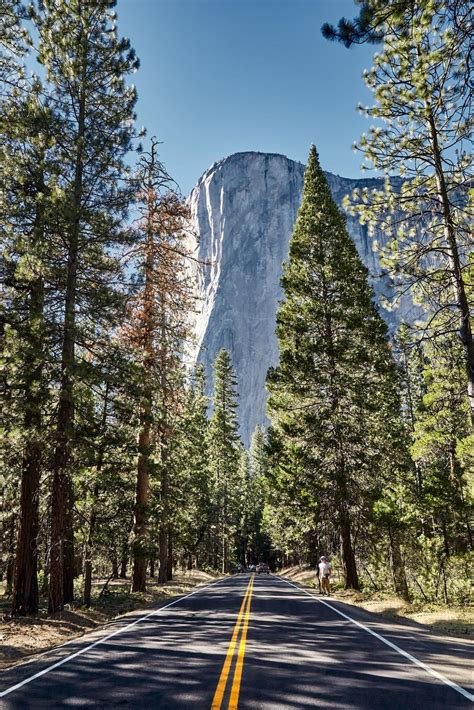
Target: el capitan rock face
(244, 209)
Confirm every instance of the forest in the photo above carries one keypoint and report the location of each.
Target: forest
(115, 459)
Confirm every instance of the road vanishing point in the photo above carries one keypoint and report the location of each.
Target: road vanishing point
(255, 642)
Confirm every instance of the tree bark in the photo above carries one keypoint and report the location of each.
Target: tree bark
(140, 525)
(93, 515)
(10, 547)
(123, 562)
(69, 560)
(169, 562)
(351, 579)
(25, 576)
(398, 568)
(88, 550)
(163, 554)
(87, 594)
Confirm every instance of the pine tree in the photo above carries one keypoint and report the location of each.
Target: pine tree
(258, 542)
(440, 437)
(333, 397)
(159, 330)
(195, 505)
(14, 41)
(27, 195)
(421, 84)
(224, 457)
(85, 64)
(31, 176)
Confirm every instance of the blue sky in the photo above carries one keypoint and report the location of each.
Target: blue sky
(222, 76)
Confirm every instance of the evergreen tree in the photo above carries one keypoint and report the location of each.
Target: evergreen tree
(224, 457)
(368, 25)
(195, 505)
(258, 543)
(333, 398)
(29, 185)
(244, 537)
(14, 41)
(441, 436)
(85, 64)
(421, 84)
(159, 329)
(28, 191)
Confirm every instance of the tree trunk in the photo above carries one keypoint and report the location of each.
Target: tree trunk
(465, 326)
(69, 561)
(25, 577)
(163, 554)
(93, 515)
(164, 532)
(398, 568)
(88, 550)
(169, 563)
(56, 555)
(351, 579)
(152, 568)
(123, 562)
(140, 525)
(224, 533)
(61, 516)
(10, 536)
(25, 584)
(87, 596)
(9, 575)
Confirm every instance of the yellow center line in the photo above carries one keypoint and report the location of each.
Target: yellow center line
(221, 686)
(234, 693)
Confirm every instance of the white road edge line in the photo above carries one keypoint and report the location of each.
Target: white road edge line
(411, 658)
(105, 638)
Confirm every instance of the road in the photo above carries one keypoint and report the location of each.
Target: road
(248, 642)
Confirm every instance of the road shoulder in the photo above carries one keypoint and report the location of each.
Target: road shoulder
(453, 621)
(27, 639)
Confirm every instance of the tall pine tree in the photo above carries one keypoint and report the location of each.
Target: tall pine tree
(333, 397)
(159, 330)
(421, 81)
(224, 458)
(85, 65)
(195, 507)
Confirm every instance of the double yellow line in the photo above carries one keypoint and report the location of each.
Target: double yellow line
(242, 622)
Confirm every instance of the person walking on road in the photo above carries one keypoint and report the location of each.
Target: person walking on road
(324, 569)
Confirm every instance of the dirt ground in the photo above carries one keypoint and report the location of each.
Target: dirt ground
(452, 620)
(26, 636)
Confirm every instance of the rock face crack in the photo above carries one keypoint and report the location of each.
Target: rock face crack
(243, 210)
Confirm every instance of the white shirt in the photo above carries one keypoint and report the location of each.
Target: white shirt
(324, 568)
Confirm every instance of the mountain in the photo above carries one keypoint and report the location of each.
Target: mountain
(243, 210)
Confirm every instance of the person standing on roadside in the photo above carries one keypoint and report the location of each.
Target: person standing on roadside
(324, 569)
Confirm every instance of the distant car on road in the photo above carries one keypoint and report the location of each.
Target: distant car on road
(263, 567)
(252, 568)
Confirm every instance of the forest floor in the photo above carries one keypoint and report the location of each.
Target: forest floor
(23, 637)
(442, 618)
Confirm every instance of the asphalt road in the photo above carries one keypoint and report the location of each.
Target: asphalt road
(255, 643)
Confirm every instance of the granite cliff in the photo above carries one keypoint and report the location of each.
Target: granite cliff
(243, 209)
